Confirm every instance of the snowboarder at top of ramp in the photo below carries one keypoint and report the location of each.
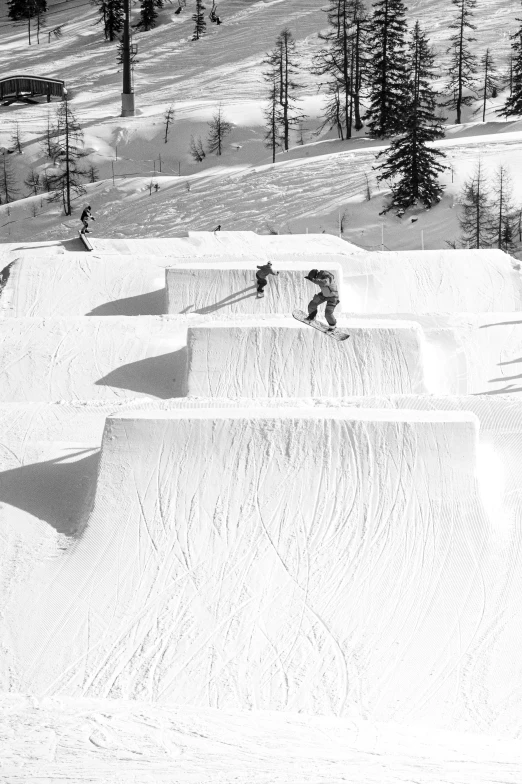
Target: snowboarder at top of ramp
(329, 293)
(85, 217)
(261, 276)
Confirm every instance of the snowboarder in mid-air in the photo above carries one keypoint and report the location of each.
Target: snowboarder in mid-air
(329, 293)
(85, 217)
(261, 277)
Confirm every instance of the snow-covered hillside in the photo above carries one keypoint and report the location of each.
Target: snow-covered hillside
(316, 186)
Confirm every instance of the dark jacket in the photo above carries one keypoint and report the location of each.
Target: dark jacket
(265, 270)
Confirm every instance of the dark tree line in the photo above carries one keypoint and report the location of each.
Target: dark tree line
(367, 57)
(26, 9)
(488, 218)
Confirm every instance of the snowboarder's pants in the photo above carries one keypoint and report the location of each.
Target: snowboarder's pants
(261, 283)
(331, 304)
(85, 225)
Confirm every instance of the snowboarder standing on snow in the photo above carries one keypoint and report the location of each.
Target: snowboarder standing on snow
(261, 275)
(85, 217)
(329, 293)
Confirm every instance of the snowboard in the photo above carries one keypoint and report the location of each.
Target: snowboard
(336, 334)
(260, 295)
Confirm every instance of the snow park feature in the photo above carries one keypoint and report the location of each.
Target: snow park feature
(232, 549)
(155, 564)
(213, 288)
(282, 358)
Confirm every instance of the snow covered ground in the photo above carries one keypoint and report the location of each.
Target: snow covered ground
(315, 186)
(310, 569)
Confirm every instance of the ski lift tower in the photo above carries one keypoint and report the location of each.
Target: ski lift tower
(127, 96)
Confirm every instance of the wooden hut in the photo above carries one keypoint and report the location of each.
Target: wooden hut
(25, 88)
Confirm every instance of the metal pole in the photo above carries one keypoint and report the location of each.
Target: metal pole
(112, 164)
(127, 96)
(160, 161)
(382, 236)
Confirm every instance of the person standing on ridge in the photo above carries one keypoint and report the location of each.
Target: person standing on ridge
(329, 293)
(261, 277)
(85, 217)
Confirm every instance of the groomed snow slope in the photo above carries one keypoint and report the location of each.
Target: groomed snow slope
(283, 358)
(231, 288)
(129, 280)
(82, 359)
(84, 285)
(450, 281)
(122, 741)
(341, 571)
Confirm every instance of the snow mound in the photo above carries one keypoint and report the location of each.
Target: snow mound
(287, 358)
(231, 288)
(280, 589)
(84, 285)
(128, 741)
(432, 281)
(71, 359)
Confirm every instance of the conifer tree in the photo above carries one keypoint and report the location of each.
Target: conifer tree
(283, 67)
(513, 104)
(272, 139)
(219, 128)
(92, 173)
(196, 148)
(463, 63)
(148, 14)
(49, 146)
(199, 21)
(386, 45)
(8, 187)
(26, 9)
(490, 83)
(338, 60)
(504, 216)
(476, 218)
(69, 139)
(16, 138)
(111, 14)
(410, 164)
(33, 182)
(169, 119)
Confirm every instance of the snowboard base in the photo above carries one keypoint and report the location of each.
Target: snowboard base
(336, 333)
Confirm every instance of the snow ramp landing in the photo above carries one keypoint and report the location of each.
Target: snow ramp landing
(91, 359)
(432, 281)
(285, 560)
(91, 286)
(231, 288)
(283, 358)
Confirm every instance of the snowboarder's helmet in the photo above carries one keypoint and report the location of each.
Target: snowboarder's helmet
(313, 273)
